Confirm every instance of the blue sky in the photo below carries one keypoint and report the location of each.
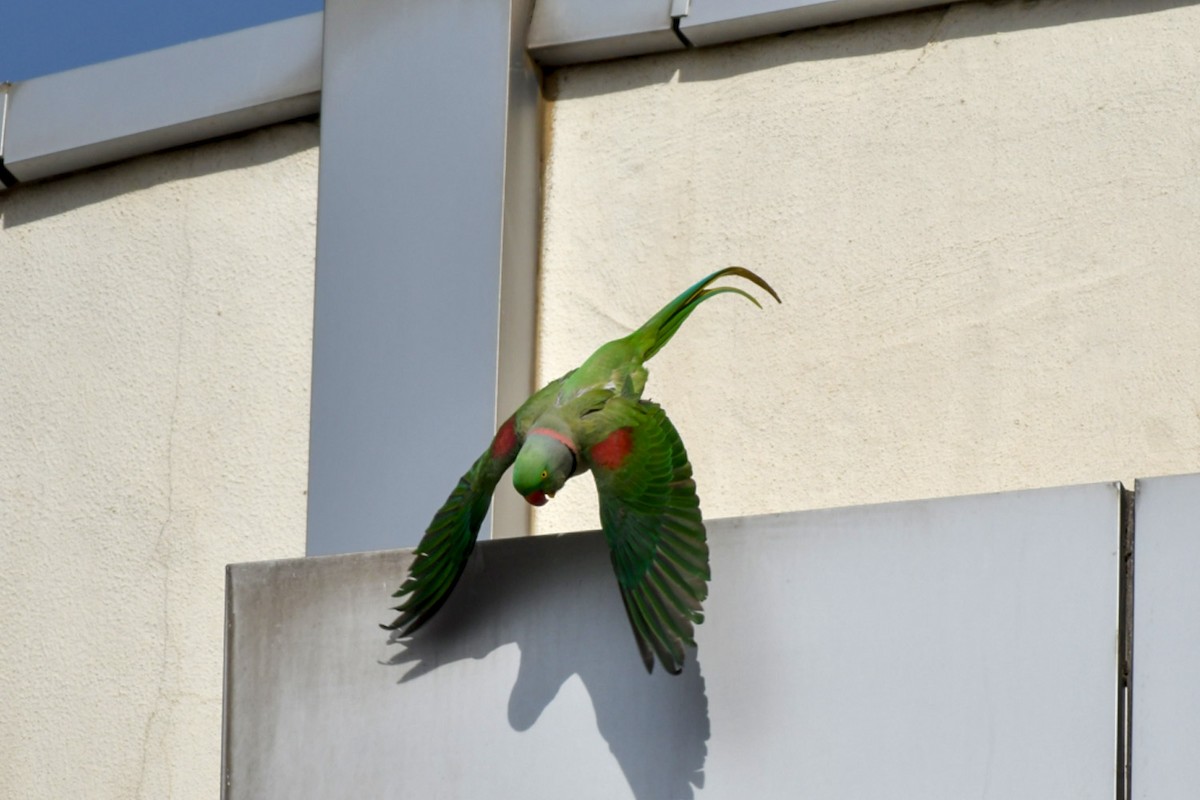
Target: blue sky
(44, 36)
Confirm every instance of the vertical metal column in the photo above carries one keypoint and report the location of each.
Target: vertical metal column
(428, 206)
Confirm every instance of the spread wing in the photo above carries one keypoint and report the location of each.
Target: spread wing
(443, 551)
(651, 518)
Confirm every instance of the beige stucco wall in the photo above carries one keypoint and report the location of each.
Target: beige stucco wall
(983, 220)
(156, 318)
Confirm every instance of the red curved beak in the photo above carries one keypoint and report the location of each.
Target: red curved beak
(537, 498)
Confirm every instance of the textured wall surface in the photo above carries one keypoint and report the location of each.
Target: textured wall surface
(982, 220)
(156, 318)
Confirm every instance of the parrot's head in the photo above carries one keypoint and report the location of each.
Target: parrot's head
(542, 467)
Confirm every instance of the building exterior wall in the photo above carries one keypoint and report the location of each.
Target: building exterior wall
(156, 318)
(981, 218)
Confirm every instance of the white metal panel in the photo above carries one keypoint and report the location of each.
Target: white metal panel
(571, 31)
(714, 21)
(428, 198)
(163, 98)
(937, 649)
(574, 31)
(1165, 736)
(6, 178)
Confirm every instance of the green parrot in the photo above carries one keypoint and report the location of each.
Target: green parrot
(594, 418)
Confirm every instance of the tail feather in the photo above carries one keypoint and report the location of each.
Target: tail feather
(658, 330)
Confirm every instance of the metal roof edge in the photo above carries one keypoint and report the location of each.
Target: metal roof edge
(258, 76)
(718, 21)
(565, 32)
(573, 31)
(164, 98)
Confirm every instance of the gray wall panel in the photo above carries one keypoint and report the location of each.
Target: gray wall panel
(940, 649)
(1166, 639)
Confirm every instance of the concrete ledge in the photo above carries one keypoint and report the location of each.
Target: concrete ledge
(945, 648)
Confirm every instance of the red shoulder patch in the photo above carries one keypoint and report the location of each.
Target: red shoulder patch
(506, 439)
(611, 452)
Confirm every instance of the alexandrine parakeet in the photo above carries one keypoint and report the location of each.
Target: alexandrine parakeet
(594, 418)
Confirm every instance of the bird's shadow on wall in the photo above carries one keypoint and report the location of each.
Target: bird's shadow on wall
(556, 598)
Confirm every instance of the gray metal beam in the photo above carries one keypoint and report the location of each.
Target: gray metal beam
(574, 31)
(1165, 730)
(938, 649)
(163, 98)
(429, 191)
(712, 22)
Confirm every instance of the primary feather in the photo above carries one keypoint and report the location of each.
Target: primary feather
(593, 418)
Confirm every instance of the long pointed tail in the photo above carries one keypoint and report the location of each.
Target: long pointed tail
(659, 329)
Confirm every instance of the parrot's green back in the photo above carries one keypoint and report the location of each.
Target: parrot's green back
(594, 418)
(624, 358)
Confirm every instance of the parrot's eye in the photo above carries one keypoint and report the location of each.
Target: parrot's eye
(545, 474)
